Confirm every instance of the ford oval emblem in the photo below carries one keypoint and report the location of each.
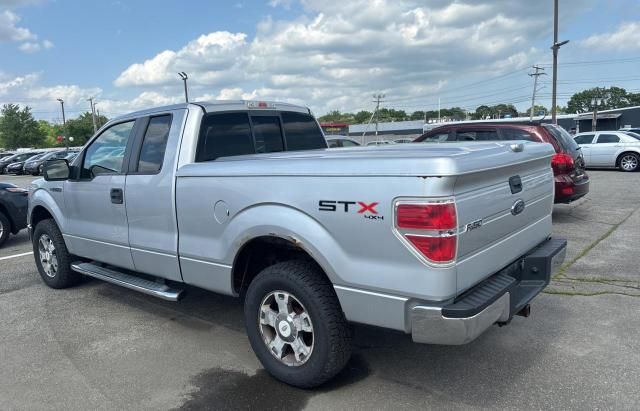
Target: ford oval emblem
(517, 207)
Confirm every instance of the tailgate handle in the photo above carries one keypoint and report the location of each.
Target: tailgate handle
(515, 183)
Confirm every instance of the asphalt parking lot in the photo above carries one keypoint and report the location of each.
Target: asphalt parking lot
(98, 346)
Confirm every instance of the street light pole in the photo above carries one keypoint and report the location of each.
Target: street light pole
(184, 78)
(64, 123)
(556, 46)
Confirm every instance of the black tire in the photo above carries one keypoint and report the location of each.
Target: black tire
(64, 276)
(5, 228)
(331, 332)
(40, 171)
(625, 157)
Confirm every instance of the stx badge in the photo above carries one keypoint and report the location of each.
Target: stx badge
(367, 209)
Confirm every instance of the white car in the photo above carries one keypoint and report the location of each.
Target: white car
(615, 149)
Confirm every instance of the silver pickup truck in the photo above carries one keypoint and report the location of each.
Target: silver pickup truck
(244, 199)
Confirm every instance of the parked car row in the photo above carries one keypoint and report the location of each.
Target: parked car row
(31, 162)
(335, 141)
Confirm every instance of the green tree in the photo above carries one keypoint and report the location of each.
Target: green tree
(537, 109)
(81, 128)
(417, 115)
(605, 99)
(18, 128)
(483, 112)
(362, 116)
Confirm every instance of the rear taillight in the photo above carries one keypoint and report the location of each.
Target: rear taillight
(562, 162)
(429, 228)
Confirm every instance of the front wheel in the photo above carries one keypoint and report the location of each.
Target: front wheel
(295, 324)
(52, 258)
(629, 162)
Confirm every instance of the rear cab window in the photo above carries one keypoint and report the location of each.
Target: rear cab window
(230, 134)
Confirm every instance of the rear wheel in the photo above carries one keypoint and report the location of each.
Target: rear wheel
(5, 228)
(295, 324)
(629, 162)
(51, 255)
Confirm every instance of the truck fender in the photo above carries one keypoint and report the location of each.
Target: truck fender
(42, 198)
(287, 223)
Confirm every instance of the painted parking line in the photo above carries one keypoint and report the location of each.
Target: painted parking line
(16, 255)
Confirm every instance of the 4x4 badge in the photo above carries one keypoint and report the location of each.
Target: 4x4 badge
(517, 207)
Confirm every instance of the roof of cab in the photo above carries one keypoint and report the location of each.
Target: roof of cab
(221, 105)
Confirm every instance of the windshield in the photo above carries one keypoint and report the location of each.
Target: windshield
(564, 138)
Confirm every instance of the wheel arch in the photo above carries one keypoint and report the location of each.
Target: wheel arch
(42, 206)
(626, 151)
(262, 251)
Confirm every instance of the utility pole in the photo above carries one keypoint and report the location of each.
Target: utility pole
(93, 114)
(184, 78)
(378, 100)
(556, 46)
(64, 123)
(438, 110)
(535, 88)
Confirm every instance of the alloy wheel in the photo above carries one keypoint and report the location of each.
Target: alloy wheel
(629, 162)
(286, 328)
(47, 255)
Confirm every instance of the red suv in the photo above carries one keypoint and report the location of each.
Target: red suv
(572, 182)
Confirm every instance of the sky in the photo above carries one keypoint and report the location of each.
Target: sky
(324, 54)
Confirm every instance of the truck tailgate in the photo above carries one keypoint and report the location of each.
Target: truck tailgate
(502, 213)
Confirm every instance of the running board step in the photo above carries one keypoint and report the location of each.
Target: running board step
(129, 281)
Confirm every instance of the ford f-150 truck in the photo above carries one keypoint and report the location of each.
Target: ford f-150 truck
(243, 198)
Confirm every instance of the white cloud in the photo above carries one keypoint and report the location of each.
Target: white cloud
(29, 47)
(18, 3)
(625, 38)
(336, 54)
(208, 58)
(33, 47)
(9, 31)
(286, 4)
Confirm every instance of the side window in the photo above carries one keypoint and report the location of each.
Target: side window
(267, 132)
(477, 135)
(516, 134)
(584, 139)
(334, 143)
(349, 143)
(106, 153)
(154, 144)
(302, 132)
(436, 138)
(223, 135)
(607, 138)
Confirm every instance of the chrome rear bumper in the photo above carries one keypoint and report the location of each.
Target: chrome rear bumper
(495, 300)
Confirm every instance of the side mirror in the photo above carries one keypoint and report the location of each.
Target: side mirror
(56, 170)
